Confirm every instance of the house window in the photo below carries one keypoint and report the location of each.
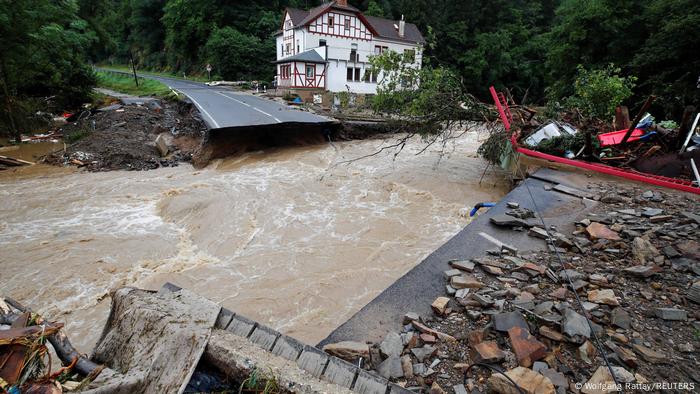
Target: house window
(353, 53)
(322, 43)
(358, 75)
(285, 71)
(288, 47)
(351, 72)
(330, 21)
(298, 47)
(370, 76)
(310, 71)
(378, 49)
(410, 55)
(347, 24)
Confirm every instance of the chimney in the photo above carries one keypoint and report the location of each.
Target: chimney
(402, 27)
(342, 3)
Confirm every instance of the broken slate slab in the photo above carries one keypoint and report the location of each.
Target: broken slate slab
(643, 271)
(509, 221)
(505, 321)
(423, 353)
(526, 347)
(391, 345)
(464, 265)
(620, 318)
(575, 325)
(573, 191)
(671, 314)
(489, 352)
(391, 368)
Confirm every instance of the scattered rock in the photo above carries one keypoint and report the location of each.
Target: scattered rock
(620, 318)
(509, 221)
(606, 296)
(440, 305)
(464, 265)
(671, 314)
(527, 349)
(489, 352)
(529, 381)
(391, 368)
(348, 350)
(600, 231)
(643, 251)
(407, 366)
(551, 334)
(648, 354)
(643, 271)
(603, 382)
(505, 321)
(465, 282)
(575, 325)
(587, 352)
(423, 353)
(391, 345)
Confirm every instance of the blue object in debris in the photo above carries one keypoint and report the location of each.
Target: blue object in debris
(479, 206)
(297, 100)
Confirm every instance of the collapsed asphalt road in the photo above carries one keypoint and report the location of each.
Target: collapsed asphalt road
(223, 108)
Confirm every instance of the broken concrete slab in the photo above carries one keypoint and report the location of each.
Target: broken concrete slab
(173, 330)
(464, 265)
(391, 368)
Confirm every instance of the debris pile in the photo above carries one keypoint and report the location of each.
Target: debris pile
(25, 362)
(658, 148)
(132, 137)
(619, 291)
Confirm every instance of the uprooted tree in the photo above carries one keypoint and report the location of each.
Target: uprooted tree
(430, 102)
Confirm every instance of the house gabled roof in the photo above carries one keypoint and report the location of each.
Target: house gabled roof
(297, 15)
(387, 28)
(380, 27)
(310, 56)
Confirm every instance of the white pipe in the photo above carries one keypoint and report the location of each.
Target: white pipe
(695, 170)
(690, 133)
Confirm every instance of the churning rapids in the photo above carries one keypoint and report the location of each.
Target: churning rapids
(293, 237)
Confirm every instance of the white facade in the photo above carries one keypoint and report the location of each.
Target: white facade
(336, 44)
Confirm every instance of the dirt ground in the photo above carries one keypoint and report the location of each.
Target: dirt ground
(123, 137)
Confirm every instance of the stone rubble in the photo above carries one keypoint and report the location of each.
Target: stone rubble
(633, 262)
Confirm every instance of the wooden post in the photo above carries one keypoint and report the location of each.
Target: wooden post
(637, 118)
(622, 118)
(685, 125)
(133, 68)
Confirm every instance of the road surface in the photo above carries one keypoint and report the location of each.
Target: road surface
(223, 108)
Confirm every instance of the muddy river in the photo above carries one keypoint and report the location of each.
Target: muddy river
(293, 238)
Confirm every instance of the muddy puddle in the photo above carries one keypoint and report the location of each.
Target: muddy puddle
(289, 237)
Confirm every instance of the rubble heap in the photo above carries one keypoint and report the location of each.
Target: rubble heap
(634, 263)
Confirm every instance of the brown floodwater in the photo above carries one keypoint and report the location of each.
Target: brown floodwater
(293, 238)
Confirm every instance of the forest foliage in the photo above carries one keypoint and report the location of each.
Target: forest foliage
(532, 47)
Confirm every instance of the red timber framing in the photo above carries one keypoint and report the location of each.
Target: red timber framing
(294, 75)
(358, 26)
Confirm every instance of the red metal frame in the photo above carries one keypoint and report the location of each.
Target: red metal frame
(671, 183)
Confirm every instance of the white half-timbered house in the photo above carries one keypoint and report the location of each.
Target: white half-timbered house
(327, 48)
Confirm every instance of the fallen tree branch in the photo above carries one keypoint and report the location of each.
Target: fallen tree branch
(64, 349)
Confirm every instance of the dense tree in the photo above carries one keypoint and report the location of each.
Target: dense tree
(42, 53)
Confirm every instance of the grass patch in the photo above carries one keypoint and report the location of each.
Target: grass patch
(123, 68)
(125, 84)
